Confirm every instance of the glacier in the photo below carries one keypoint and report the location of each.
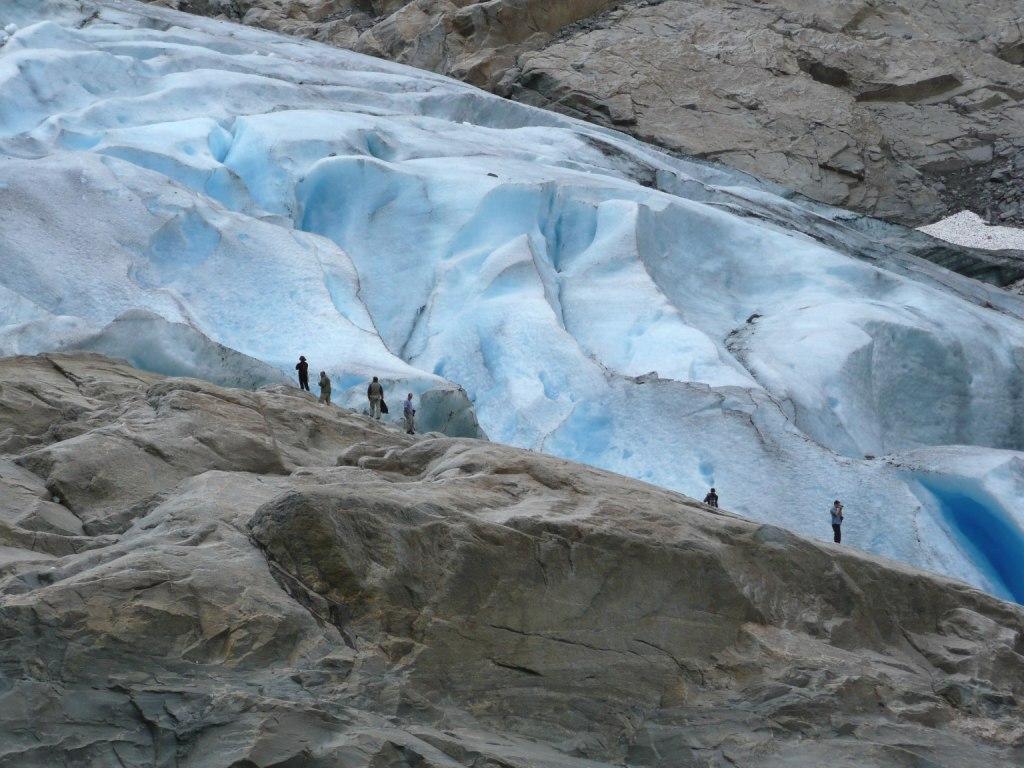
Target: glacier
(212, 200)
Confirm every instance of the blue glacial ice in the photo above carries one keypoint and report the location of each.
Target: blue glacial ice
(975, 492)
(171, 185)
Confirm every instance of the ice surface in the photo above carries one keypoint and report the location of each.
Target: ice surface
(268, 197)
(149, 342)
(975, 491)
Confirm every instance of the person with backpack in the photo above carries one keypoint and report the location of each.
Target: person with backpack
(410, 416)
(325, 388)
(836, 513)
(375, 394)
(303, 369)
(711, 499)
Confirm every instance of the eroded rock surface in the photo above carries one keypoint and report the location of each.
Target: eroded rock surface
(904, 109)
(195, 576)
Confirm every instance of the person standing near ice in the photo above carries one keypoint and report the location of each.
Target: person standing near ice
(410, 416)
(325, 388)
(836, 512)
(303, 368)
(375, 393)
(711, 499)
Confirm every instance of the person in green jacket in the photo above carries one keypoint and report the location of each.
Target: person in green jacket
(375, 393)
(325, 388)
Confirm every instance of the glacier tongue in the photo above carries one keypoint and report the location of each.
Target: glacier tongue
(281, 197)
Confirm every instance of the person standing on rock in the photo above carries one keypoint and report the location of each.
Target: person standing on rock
(375, 393)
(711, 499)
(325, 388)
(410, 416)
(836, 512)
(303, 369)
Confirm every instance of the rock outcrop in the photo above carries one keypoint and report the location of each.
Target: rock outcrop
(195, 576)
(908, 110)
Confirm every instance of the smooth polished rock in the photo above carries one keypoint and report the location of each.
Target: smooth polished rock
(305, 587)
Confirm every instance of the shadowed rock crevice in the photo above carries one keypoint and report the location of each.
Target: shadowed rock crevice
(914, 90)
(823, 73)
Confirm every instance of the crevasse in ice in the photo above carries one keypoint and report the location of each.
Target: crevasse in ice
(279, 197)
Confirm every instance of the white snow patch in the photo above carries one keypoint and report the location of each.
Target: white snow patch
(969, 229)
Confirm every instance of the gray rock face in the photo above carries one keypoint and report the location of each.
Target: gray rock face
(195, 576)
(903, 109)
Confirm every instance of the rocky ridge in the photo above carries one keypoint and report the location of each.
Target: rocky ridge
(197, 576)
(909, 110)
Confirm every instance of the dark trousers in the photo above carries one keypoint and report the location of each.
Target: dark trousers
(837, 533)
(304, 383)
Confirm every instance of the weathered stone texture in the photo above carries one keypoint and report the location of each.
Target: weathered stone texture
(196, 576)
